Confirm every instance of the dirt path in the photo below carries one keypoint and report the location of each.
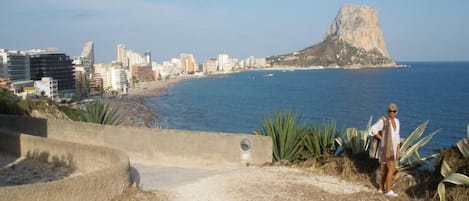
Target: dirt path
(273, 183)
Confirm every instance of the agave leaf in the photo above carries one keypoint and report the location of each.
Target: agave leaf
(414, 136)
(441, 191)
(457, 178)
(454, 178)
(412, 164)
(445, 169)
(286, 137)
(463, 146)
(414, 148)
(430, 157)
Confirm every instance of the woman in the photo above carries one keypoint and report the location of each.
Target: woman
(387, 131)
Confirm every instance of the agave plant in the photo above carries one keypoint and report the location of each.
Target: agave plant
(320, 140)
(450, 177)
(97, 112)
(463, 145)
(410, 156)
(312, 143)
(354, 141)
(286, 136)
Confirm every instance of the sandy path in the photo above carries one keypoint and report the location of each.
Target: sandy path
(270, 183)
(266, 183)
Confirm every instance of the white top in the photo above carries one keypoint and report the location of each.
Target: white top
(396, 138)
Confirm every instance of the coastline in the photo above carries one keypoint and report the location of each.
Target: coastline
(134, 112)
(132, 107)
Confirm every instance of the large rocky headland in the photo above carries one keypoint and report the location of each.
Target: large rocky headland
(354, 39)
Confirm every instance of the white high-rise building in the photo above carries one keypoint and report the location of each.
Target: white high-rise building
(210, 66)
(87, 58)
(121, 53)
(48, 86)
(114, 77)
(224, 63)
(101, 71)
(148, 58)
(118, 79)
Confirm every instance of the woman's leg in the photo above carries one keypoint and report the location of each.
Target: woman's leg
(389, 174)
(383, 177)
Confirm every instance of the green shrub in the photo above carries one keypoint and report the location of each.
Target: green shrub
(285, 134)
(354, 141)
(96, 112)
(9, 103)
(321, 140)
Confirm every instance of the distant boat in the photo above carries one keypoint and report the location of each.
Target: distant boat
(269, 75)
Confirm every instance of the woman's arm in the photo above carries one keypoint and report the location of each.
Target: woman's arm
(376, 129)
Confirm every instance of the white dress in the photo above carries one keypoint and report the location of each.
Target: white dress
(396, 138)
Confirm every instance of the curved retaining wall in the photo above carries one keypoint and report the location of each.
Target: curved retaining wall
(104, 171)
(156, 146)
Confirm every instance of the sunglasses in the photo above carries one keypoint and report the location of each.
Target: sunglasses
(393, 111)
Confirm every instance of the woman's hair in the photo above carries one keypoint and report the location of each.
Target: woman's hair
(392, 106)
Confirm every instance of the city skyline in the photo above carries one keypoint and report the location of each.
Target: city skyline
(413, 30)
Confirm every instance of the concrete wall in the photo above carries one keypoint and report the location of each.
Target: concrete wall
(103, 172)
(156, 146)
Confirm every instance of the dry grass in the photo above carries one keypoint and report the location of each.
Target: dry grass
(411, 185)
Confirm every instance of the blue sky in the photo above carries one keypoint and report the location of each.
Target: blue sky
(415, 30)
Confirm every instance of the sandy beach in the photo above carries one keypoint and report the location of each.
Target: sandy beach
(132, 107)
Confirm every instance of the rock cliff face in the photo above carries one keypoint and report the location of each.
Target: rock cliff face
(354, 39)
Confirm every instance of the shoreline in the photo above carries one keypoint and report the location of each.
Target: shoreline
(134, 112)
(132, 107)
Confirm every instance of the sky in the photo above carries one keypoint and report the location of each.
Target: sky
(415, 30)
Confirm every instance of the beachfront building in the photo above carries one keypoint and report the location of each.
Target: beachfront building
(170, 68)
(252, 62)
(148, 58)
(121, 54)
(134, 58)
(47, 87)
(210, 66)
(119, 80)
(15, 67)
(129, 58)
(82, 82)
(56, 65)
(224, 62)
(188, 63)
(142, 73)
(112, 78)
(87, 58)
(84, 69)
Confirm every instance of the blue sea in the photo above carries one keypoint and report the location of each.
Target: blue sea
(237, 103)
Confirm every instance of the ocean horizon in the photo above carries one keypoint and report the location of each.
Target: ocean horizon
(238, 102)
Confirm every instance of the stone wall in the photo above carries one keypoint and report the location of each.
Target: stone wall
(155, 146)
(103, 173)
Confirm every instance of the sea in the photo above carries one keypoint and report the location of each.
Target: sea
(437, 92)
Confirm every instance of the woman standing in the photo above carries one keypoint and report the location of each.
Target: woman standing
(387, 131)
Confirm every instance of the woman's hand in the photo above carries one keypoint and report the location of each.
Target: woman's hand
(378, 136)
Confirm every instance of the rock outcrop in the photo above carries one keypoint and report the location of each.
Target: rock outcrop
(354, 39)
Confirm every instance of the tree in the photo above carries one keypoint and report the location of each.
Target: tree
(9, 102)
